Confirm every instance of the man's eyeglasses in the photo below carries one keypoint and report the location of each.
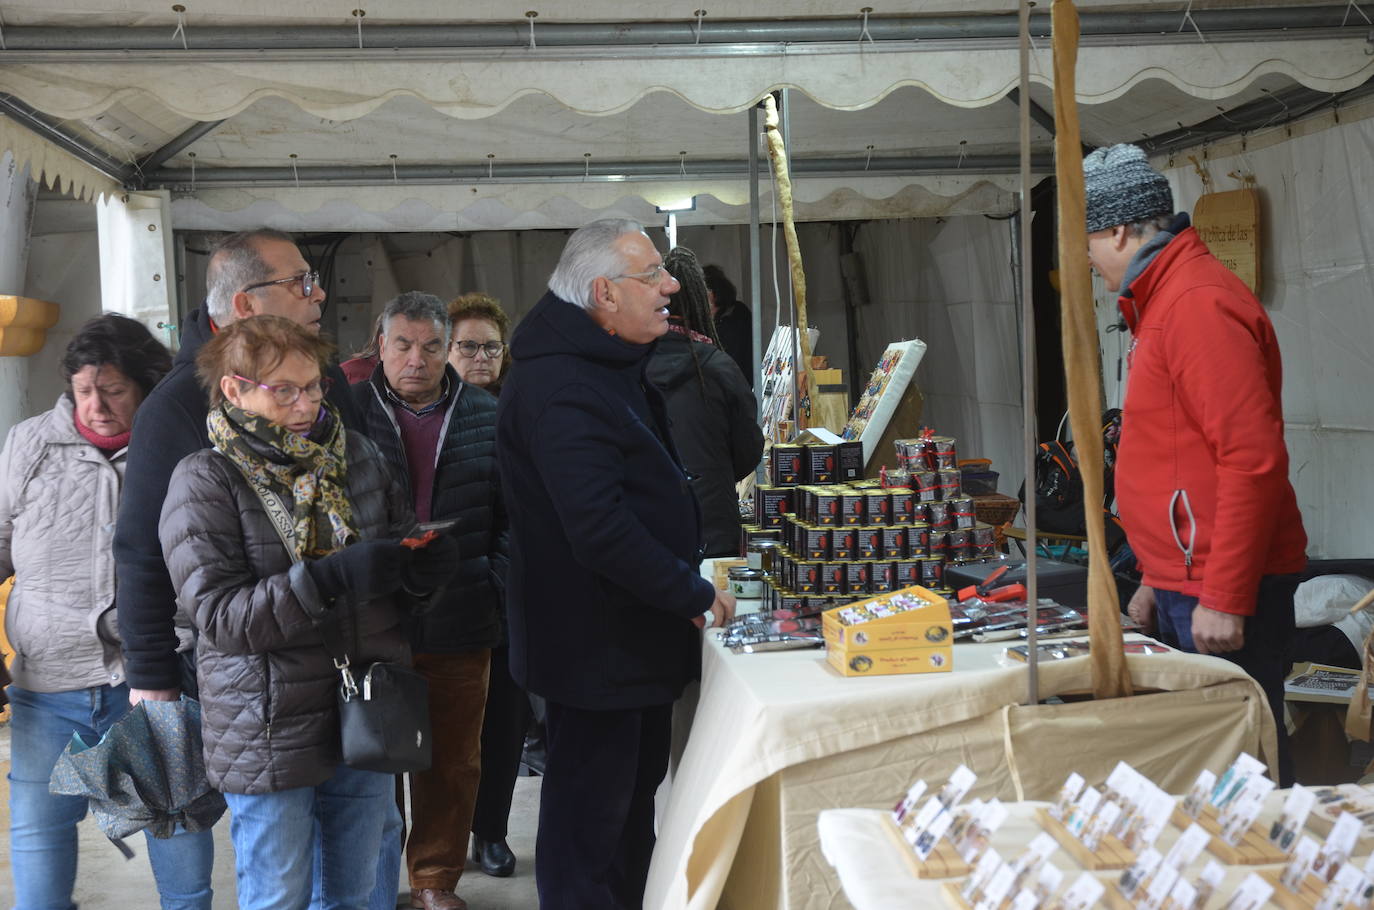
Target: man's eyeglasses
(652, 277)
(286, 394)
(492, 349)
(308, 282)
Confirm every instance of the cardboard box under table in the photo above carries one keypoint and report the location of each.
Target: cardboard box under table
(776, 738)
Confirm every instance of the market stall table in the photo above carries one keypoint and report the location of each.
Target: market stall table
(778, 737)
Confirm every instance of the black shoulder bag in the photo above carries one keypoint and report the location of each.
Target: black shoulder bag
(384, 723)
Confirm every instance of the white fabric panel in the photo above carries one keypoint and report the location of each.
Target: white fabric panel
(949, 284)
(136, 265)
(1318, 248)
(845, 77)
(562, 205)
(54, 168)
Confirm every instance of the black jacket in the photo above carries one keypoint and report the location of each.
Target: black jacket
(605, 530)
(467, 487)
(169, 425)
(714, 427)
(736, 332)
(267, 682)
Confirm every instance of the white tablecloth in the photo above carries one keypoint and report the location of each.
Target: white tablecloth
(778, 737)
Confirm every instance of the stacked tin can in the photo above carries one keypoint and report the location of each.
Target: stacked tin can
(843, 538)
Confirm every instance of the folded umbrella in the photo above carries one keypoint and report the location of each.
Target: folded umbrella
(147, 771)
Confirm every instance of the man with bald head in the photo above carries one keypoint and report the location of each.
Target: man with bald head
(604, 594)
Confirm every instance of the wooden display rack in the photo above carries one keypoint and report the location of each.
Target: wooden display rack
(943, 862)
(1254, 849)
(1111, 853)
(950, 892)
(1308, 894)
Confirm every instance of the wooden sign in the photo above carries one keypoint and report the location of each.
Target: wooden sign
(1229, 223)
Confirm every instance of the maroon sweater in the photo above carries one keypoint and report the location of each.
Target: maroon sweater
(420, 438)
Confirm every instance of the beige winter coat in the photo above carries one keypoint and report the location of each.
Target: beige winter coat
(58, 499)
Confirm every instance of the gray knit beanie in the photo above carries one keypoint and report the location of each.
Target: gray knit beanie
(1122, 188)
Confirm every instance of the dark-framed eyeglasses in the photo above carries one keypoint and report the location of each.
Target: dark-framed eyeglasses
(308, 281)
(652, 277)
(492, 349)
(286, 394)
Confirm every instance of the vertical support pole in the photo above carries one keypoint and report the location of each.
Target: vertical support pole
(18, 194)
(1028, 366)
(137, 268)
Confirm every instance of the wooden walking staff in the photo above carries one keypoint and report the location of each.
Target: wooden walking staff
(778, 155)
(1082, 368)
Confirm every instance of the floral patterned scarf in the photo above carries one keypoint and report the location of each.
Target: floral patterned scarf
(308, 472)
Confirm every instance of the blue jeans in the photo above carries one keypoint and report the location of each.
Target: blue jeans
(1263, 655)
(281, 839)
(43, 844)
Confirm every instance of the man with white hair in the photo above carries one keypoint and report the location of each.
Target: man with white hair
(1202, 471)
(604, 594)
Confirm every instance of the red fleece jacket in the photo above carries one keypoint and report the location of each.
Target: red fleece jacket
(1202, 476)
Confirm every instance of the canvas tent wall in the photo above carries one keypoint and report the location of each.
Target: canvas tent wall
(901, 121)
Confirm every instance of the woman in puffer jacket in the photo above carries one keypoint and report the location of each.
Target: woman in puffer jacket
(60, 479)
(258, 596)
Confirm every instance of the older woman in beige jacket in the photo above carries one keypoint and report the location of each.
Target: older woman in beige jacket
(60, 479)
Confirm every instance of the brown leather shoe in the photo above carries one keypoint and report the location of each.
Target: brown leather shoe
(436, 899)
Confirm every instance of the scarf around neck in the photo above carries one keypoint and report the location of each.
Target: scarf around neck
(307, 472)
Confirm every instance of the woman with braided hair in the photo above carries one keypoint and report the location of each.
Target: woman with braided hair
(713, 412)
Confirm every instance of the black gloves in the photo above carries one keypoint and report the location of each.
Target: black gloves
(430, 567)
(367, 569)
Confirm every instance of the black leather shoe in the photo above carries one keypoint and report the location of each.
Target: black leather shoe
(494, 857)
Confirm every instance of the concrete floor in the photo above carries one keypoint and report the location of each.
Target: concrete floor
(106, 881)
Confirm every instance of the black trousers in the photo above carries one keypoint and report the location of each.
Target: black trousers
(596, 811)
(503, 736)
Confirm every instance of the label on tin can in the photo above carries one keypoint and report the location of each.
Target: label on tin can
(894, 542)
(770, 503)
(826, 505)
(903, 505)
(870, 543)
(787, 464)
(926, 485)
(878, 505)
(850, 461)
(940, 519)
(833, 578)
(824, 461)
(884, 577)
(844, 543)
(816, 542)
(961, 512)
(852, 509)
(957, 544)
(907, 572)
(808, 578)
(859, 578)
(983, 539)
(932, 572)
(918, 541)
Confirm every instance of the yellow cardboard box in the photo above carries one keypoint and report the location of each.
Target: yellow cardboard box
(859, 662)
(915, 640)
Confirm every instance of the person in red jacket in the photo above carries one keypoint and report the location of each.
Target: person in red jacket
(1202, 470)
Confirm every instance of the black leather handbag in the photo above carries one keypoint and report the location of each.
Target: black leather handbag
(384, 721)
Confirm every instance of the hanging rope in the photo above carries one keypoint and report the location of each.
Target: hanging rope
(491, 158)
(1189, 20)
(295, 175)
(394, 178)
(1353, 5)
(963, 150)
(181, 25)
(700, 14)
(531, 15)
(358, 15)
(1082, 369)
(868, 158)
(586, 166)
(778, 155)
(2, 34)
(192, 156)
(865, 34)
(682, 163)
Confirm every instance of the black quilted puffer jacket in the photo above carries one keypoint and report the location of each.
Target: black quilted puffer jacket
(267, 684)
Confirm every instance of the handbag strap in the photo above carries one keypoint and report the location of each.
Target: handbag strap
(280, 517)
